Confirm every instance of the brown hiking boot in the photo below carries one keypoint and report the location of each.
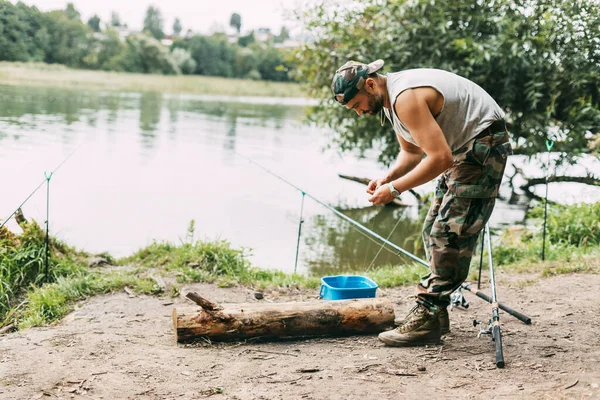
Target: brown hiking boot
(420, 327)
(442, 316)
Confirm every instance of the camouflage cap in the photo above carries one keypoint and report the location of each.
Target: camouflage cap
(350, 78)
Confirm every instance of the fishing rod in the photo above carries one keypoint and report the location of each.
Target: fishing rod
(383, 240)
(45, 181)
(341, 215)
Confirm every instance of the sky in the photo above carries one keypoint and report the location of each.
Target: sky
(202, 16)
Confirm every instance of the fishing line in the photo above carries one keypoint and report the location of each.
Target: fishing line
(399, 249)
(383, 245)
(40, 185)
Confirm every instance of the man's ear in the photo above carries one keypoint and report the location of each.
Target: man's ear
(370, 85)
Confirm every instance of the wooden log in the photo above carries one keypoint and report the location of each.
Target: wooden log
(202, 302)
(284, 320)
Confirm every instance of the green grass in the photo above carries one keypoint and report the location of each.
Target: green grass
(27, 302)
(50, 302)
(51, 75)
(22, 263)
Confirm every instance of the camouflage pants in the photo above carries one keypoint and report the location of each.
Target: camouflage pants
(464, 199)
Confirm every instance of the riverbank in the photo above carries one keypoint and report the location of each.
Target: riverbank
(122, 346)
(59, 76)
(29, 298)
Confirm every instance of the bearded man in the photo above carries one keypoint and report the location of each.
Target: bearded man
(447, 127)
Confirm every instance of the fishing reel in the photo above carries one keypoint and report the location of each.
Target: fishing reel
(483, 331)
(457, 299)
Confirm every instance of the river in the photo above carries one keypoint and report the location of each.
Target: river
(140, 166)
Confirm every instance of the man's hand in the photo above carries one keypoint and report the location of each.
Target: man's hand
(375, 184)
(381, 196)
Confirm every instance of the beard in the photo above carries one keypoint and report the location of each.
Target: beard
(375, 103)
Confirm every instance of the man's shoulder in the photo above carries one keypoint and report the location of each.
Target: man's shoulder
(421, 73)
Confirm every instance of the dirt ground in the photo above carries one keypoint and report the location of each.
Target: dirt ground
(122, 347)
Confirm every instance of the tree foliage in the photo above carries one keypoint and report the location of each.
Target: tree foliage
(115, 20)
(284, 35)
(177, 28)
(246, 40)
(153, 23)
(26, 34)
(94, 23)
(540, 60)
(67, 39)
(19, 27)
(72, 13)
(236, 22)
(184, 60)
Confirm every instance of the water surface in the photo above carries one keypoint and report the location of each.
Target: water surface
(141, 166)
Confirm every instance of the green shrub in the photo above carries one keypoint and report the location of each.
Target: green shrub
(577, 225)
(23, 263)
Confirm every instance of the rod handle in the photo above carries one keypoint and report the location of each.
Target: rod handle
(497, 335)
(521, 317)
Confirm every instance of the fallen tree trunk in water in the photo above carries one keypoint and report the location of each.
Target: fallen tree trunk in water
(283, 320)
(589, 179)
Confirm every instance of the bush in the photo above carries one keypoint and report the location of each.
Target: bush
(254, 75)
(22, 263)
(571, 230)
(577, 225)
(184, 60)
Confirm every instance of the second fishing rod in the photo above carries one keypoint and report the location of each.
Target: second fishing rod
(384, 241)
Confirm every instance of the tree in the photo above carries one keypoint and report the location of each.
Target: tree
(236, 22)
(153, 22)
(537, 58)
(177, 28)
(115, 20)
(272, 66)
(147, 55)
(68, 40)
(112, 52)
(283, 35)
(214, 55)
(19, 25)
(94, 23)
(72, 13)
(246, 40)
(183, 59)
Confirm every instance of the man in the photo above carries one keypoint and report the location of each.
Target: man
(446, 125)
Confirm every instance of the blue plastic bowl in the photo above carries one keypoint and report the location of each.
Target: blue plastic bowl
(343, 287)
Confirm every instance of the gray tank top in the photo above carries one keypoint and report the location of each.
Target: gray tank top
(466, 112)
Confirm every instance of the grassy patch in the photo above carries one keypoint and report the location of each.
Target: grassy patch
(26, 301)
(218, 262)
(23, 263)
(572, 232)
(215, 262)
(394, 275)
(40, 74)
(50, 302)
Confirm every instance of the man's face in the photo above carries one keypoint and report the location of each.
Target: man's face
(366, 103)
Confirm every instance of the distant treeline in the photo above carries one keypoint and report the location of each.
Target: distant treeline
(60, 36)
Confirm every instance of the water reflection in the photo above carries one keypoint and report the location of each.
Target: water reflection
(26, 108)
(150, 109)
(154, 172)
(334, 245)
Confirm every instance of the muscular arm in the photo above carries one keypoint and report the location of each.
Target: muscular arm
(415, 108)
(408, 158)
